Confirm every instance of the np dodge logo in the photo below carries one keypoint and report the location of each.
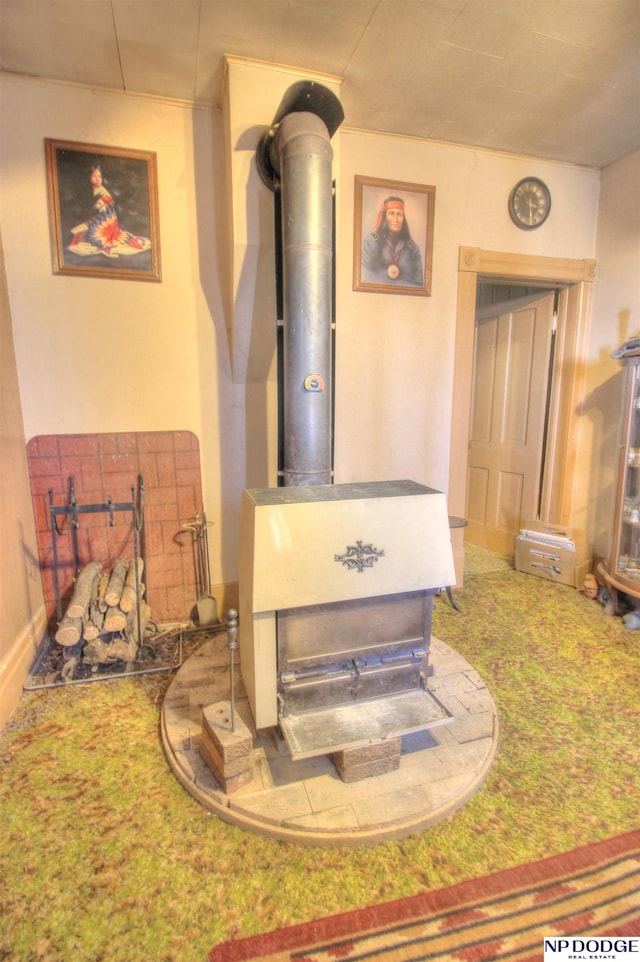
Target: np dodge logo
(598, 948)
(359, 556)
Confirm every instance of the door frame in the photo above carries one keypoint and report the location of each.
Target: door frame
(574, 280)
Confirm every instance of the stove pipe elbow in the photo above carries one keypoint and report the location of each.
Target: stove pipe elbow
(306, 96)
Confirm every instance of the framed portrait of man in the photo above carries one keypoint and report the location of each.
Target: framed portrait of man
(393, 236)
(103, 211)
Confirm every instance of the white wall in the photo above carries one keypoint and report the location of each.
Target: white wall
(396, 353)
(22, 612)
(113, 355)
(107, 355)
(615, 318)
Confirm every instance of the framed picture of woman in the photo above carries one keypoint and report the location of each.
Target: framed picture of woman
(393, 237)
(103, 211)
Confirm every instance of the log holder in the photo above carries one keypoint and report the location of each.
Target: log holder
(72, 511)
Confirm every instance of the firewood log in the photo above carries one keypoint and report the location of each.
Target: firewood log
(92, 623)
(123, 649)
(116, 582)
(96, 652)
(93, 617)
(89, 629)
(69, 667)
(69, 631)
(103, 584)
(126, 649)
(114, 619)
(131, 631)
(84, 587)
(128, 598)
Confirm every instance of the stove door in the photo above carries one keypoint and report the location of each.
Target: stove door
(355, 725)
(353, 672)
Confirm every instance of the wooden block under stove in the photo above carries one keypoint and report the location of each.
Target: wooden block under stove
(216, 721)
(377, 758)
(227, 752)
(228, 783)
(215, 761)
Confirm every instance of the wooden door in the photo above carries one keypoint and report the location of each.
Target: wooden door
(508, 410)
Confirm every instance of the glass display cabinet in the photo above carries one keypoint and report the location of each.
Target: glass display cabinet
(622, 570)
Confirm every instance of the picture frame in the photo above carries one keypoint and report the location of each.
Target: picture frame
(403, 268)
(103, 211)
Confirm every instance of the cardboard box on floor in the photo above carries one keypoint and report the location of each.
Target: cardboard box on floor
(553, 562)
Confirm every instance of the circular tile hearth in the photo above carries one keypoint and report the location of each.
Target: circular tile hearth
(306, 801)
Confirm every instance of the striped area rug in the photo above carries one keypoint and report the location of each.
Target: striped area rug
(594, 890)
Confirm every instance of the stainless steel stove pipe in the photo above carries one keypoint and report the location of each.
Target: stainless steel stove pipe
(298, 151)
(305, 154)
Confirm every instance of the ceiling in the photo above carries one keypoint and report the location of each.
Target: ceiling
(557, 79)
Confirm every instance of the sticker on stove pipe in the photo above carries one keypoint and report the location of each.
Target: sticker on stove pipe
(314, 382)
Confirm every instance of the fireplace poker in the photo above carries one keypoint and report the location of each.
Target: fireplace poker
(232, 634)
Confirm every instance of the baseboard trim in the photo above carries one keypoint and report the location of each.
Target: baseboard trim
(14, 667)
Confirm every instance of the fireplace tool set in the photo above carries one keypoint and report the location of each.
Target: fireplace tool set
(206, 607)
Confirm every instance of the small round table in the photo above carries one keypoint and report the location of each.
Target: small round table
(455, 522)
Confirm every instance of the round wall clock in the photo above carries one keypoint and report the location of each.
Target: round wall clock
(529, 203)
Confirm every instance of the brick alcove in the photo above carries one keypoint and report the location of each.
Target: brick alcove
(107, 466)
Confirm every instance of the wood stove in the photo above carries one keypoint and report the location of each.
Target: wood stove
(336, 581)
(336, 597)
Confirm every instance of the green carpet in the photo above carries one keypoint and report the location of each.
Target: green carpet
(104, 856)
